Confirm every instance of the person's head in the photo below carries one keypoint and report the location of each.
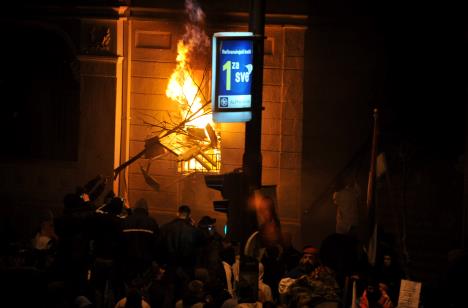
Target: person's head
(72, 202)
(194, 293)
(47, 227)
(184, 212)
(246, 292)
(387, 260)
(134, 293)
(207, 224)
(202, 274)
(309, 259)
(133, 298)
(373, 292)
(114, 206)
(108, 197)
(157, 271)
(141, 205)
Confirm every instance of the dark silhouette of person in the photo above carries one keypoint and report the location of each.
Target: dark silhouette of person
(211, 244)
(138, 242)
(180, 240)
(290, 256)
(107, 226)
(179, 243)
(73, 259)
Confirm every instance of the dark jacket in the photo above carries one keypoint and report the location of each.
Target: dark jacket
(73, 230)
(209, 251)
(180, 241)
(106, 235)
(139, 238)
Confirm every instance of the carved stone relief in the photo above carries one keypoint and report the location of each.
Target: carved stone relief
(97, 39)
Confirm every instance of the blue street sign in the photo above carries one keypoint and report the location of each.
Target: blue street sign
(232, 76)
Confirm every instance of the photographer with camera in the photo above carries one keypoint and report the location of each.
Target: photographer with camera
(211, 244)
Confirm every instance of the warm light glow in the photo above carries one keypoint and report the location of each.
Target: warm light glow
(182, 89)
(196, 152)
(266, 218)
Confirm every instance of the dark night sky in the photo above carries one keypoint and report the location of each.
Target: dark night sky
(426, 79)
(424, 90)
(410, 61)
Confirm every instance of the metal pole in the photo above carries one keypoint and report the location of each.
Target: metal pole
(252, 159)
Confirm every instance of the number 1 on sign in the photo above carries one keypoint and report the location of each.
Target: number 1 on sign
(227, 68)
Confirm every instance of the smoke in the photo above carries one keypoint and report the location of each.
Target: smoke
(194, 11)
(195, 38)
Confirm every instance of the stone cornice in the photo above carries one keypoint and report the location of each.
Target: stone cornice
(215, 17)
(243, 17)
(61, 11)
(103, 59)
(146, 13)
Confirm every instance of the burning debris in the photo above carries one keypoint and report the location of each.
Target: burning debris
(191, 134)
(193, 138)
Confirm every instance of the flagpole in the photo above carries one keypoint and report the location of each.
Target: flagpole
(371, 210)
(370, 182)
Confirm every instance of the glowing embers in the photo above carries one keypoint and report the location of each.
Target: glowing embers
(197, 148)
(208, 161)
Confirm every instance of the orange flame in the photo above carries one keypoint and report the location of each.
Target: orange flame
(182, 89)
(194, 140)
(194, 155)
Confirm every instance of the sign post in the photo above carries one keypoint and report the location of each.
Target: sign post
(237, 87)
(232, 69)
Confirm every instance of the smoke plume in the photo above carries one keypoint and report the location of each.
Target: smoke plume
(195, 38)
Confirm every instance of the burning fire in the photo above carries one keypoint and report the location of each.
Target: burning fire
(193, 139)
(182, 89)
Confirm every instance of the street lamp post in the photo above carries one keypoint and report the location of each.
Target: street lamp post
(252, 159)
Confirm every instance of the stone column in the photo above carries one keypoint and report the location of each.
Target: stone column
(101, 98)
(291, 130)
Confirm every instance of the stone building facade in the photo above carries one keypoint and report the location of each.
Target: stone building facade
(121, 57)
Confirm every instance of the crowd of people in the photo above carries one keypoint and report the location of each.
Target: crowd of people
(118, 256)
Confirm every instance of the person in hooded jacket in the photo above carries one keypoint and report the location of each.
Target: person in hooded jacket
(138, 241)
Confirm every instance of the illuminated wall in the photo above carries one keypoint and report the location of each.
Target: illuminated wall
(124, 56)
(153, 52)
